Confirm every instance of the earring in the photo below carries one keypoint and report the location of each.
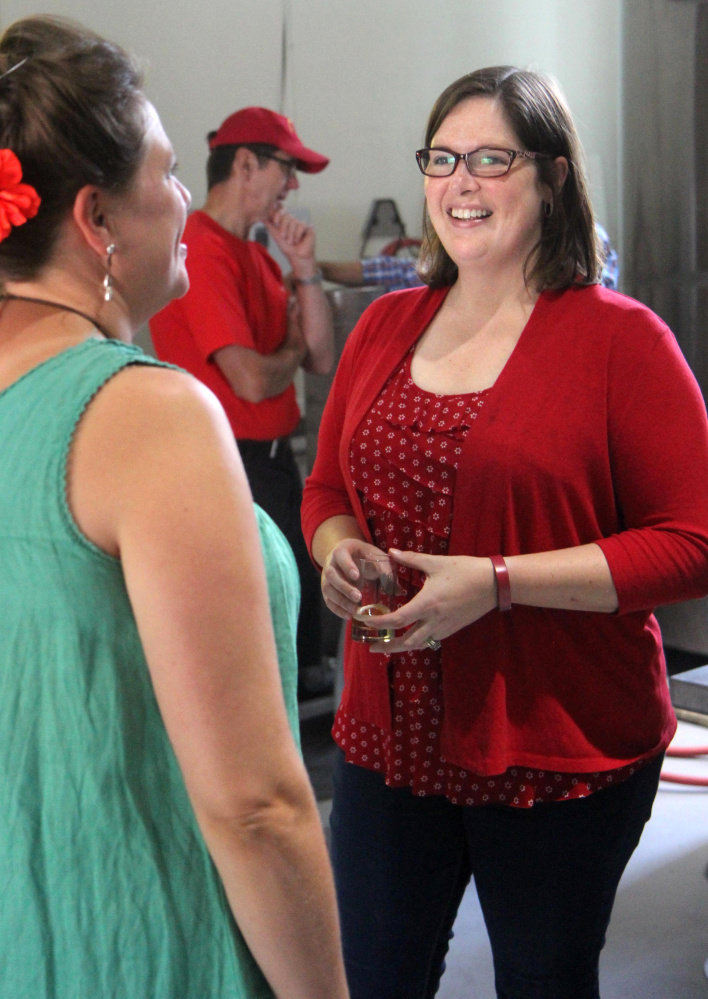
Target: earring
(108, 279)
(547, 209)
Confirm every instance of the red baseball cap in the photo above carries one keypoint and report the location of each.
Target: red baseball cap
(261, 125)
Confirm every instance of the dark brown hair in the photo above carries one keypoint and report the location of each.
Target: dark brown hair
(221, 158)
(567, 251)
(73, 114)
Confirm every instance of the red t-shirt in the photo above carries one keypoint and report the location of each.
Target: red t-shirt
(236, 296)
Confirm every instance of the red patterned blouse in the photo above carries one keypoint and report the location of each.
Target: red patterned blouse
(404, 459)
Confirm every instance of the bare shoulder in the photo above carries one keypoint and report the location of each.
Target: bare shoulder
(146, 406)
(150, 435)
(163, 389)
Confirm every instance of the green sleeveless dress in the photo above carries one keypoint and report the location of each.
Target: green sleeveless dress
(107, 890)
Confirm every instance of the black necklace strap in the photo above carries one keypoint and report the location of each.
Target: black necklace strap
(7, 297)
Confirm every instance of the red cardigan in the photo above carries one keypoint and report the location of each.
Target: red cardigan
(594, 431)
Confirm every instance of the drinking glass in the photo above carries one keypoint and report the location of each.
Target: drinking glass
(378, 586)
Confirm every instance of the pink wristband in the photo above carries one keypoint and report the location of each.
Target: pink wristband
(501, 574)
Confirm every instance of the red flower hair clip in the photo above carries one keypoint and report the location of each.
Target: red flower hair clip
(18, 201)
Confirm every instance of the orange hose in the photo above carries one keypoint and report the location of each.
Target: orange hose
(686, 752)
(681, 779)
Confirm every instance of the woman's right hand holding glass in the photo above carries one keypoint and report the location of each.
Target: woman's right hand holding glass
(340, 575)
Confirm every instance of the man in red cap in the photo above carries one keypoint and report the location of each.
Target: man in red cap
(244, 331)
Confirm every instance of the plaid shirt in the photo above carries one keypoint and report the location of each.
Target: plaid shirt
(392, 272)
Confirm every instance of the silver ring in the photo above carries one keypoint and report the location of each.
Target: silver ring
(433, 644)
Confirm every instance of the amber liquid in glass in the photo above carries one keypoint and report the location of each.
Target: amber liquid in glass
(362, 631)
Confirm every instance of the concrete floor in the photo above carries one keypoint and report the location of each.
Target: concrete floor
(658, 939)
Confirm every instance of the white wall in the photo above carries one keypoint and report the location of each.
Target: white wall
(362, 77)
(376, 66)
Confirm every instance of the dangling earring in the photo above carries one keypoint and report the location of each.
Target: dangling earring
(108, 279)
(547, 209)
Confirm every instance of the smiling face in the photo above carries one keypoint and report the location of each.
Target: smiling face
(488, 222)
(147, 223)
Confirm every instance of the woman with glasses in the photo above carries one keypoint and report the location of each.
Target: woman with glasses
(158, 835)
(532, 450)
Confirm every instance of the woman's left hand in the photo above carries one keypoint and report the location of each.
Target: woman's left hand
(459, 590)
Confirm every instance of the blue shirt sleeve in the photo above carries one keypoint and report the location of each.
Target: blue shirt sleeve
(394, 273)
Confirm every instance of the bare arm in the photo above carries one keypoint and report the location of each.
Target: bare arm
(317, 328)
(567, 579)
(460, 589)
(156, 478)
(330, 533)
(254, 376)
(297, 241)
(348, 272)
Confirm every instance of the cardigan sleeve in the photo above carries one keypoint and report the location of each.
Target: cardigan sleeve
(658, 442)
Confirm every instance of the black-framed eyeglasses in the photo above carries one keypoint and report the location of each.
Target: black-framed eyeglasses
(289, 166)
(484, 162)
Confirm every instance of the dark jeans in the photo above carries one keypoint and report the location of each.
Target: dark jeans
(546, 878)
(277, 488)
